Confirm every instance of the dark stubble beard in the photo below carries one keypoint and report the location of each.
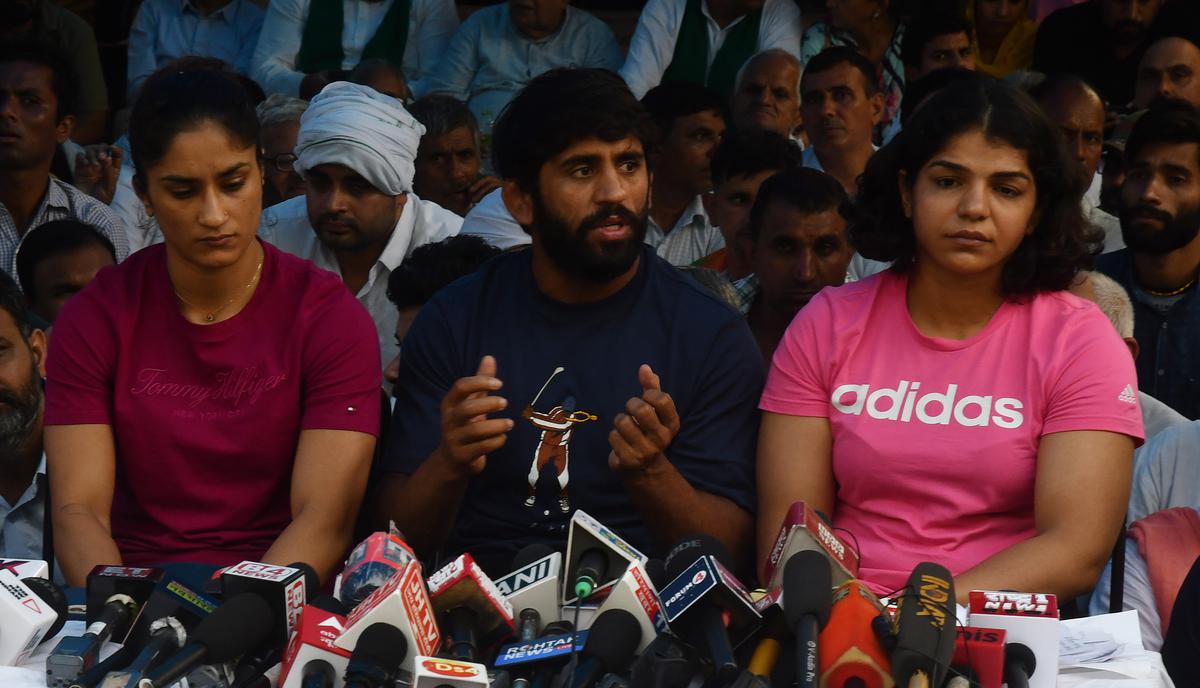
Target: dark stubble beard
(22, 413)
(569, 248)
(1177, 230)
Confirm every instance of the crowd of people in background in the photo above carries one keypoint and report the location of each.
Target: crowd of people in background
(271, 273)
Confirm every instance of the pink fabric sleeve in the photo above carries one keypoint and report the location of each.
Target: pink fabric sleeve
(797, 384)
(1096, 385)
(81, 362)
(342, 379)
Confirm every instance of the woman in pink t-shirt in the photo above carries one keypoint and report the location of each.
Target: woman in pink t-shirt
(211, 399)
(960, 407)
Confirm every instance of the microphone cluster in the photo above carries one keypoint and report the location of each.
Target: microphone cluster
(599, 615)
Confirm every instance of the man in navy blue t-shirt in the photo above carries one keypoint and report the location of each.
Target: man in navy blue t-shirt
(583, 373)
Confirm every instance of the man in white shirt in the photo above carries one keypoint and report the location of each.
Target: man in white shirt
(295, 40)
(706, 41)
(691, 121)
(358, 217)
(767, 93)
(841, 104)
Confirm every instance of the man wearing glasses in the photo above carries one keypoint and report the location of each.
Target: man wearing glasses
(279, 122)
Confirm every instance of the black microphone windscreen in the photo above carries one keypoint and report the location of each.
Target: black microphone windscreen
(656, 571)
(692, 548)
(312, 582)
(381, 644)
(331, 604)
(1020, 656)
(235, 627)
(613, 639)
(807, 588)
(925, 624)
(529, 554)
(53, 596)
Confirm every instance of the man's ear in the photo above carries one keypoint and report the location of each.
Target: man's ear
(139, 188)
(876, 108)
(518, 201)
(64, 128)
(38, 345)
(905, 193)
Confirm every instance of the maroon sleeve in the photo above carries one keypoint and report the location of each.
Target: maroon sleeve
(341, 376)
(83, 357)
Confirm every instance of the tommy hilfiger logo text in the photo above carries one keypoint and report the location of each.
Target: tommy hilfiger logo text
(230, 387)
(905, 403)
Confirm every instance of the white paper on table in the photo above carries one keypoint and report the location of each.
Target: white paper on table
(1131, 667)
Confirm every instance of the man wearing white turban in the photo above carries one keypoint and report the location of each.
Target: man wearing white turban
(358, 217)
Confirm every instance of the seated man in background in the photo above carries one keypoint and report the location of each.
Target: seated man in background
(448, 163)
(279, 124)
(23, 486)
(798, 230)
(706, 41)
(690, 120)
(1170, 69)
(742, 162)
(303, 38)
(936, 41)
(608, 331)
(168, 29)
(767, 94)
(498, 49)
(38, 90)
(358, 216)
(841, 104)
(59, 260)
(46, 23)
(427, 271)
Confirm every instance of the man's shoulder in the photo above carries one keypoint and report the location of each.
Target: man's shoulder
(693, 305)
(437, 222)
(286, 226)
(1115, 264)
(582, 20)
(60, 19)
(87, 209)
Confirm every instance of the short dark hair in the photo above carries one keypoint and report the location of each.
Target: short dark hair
(675, 99)
(12, 301)
(744, 152)
(173, 101)
(918, 91)
(434, 266)
(53, 239)
(1170, 122)
(1062, 242)
(441, 114)
(1060, 81)
(65, 83)
(807, 190)
(559, 108)
(928, 26)
(829, 58)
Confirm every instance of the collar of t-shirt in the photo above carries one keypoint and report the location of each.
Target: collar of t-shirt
(595, 313)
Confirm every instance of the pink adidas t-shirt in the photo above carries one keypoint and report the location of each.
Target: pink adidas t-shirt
(935, 440)
(207, 417)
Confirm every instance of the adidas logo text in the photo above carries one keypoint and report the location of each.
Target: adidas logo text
(905, 404)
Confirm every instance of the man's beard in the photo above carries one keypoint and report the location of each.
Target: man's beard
(1176, 232)
(17, 421)
(570, 250)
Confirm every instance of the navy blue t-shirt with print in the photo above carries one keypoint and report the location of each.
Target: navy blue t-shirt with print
(556, 456)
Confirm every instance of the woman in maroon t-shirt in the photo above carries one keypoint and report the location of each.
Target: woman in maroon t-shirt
(211, 399)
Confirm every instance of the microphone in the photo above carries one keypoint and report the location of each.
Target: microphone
(137, 582)
(587, 537)
(806, 606)
(48, 591)
(634, 593)
(805, 529)
(76, 654)
(979, 653)
(402, 601)
(377, 657)
(258, 666)
(667, 662)
(1019, 664)
(435, 672)
(283, 587)
(370, 564)
(473, 611)
(166, 635)
(851, 653)
(700, 594)
(239, 624)
(610, 646)
(311, 655)
(925, 623)
(1030, 620)
(26, 617)
(534, 662)
(533, 582)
